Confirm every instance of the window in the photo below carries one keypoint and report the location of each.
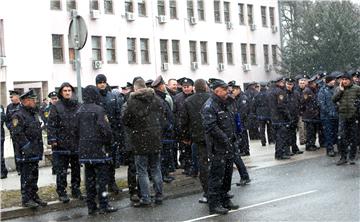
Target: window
(263, 16)
(161, 7)
(272, 16)
(176, 51)
(217, 11)
(253, 54)
(193, 57)
(55, 4)
(129, 6)
(94, 4)
(142, 8)
(250, 14)
(71, 54)
(227, 11)
(204, 54)
(201, 10)
(164, 51)
(220, 53)
(244, 54)
(108, 6)
(2, 46)
(131, 45)
(70, 5)
(266, 54)
(96, 48)
(144, 47)
(173, 12)
(110, 50)
(57, 44)
(229, 53)
(241, 14)
(274, 54)
(190, 8)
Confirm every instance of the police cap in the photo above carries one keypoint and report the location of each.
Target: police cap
(52, 94)
(13, 92)
(159, 80)
(218, 83)
(29, 94)
(290, 80)
(186, 81)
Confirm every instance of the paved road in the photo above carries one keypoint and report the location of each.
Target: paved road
(309, 190)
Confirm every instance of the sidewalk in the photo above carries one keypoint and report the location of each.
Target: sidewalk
(261, 157)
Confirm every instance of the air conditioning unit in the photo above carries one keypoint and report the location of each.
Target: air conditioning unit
(246, 67)
(221, 67)
(165, 66)
(268, 68)
(274, 28)
(229, 25)
(3, 62)
(130, 16)
(97, 64)
(95, 14)
(192, 21)
(194, 65)
(162, 19)
(252, 27)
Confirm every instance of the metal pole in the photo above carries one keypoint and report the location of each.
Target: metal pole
(77, 57)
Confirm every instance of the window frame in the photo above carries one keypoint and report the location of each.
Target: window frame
(272, 16)
(190, 8)
(176, 51)
(274, 54)
(53, 8)
(142, 10)
(230, 53)
(266, 54)
(106, 10)
(201, 10)
(253, 54)
(92, 6)
(217, 12)
(241, 14)
(99, 49)
(244, 56)
(161, 7)
(145, 52)
(220, 52)
(250, 14)
(112, 50)
(227, 9)
(69, 3)
(173, 9)
(204, 53)
(60, 47)
(131, 51)
(193, 51)
(129, 6)
(164, 53)
(263, 16)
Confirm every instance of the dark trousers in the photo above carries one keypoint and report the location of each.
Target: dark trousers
(311, 128)
(281, 140)
(347, 137)
(194, 159)
(292, 137)
(253, 129)
(55, 162)
(202, 157)
(239, 163)
(96, 177)
(185, 156)
(167, 158)
(265, 126)
(129, 160)
(63, 164)
(220, 175)
(4, 170)
(244, 142)
(17, 163)
(29, 178)
(330, 129)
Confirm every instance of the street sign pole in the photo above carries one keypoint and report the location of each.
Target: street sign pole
(77, 37)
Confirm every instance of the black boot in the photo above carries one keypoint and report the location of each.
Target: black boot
(218, 210)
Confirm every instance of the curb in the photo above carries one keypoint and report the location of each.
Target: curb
(178, 188)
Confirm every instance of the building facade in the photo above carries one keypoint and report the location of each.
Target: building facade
(229, 39)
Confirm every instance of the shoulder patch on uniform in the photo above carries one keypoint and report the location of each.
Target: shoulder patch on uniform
(281, 97)
(15, 122)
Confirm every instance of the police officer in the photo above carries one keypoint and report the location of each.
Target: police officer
(4, 170)
(10, 110)
(218, 115)
(95, 137)
(293, 99)
(27, 135)
(280, 118)
(63, 140)
(184, 144)
(251, 91)
(112, 105)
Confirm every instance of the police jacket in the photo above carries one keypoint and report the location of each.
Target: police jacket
(219, 123)
(10, 110)
(62, 126)
(293, 100)
(27, 135)
(280, 114)
(93, 129)
(242, 105)
(327, 107)
(309, 106)
(191, 121)
(112, 105)
(168, 130)
(143, 116)
(178, 111)
(261, 105)
(3, 118)
(345, 100)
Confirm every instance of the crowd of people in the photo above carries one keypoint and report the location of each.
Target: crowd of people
(155, 127)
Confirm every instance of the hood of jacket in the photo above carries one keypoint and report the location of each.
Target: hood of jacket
(91, 95)
(145, 94)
